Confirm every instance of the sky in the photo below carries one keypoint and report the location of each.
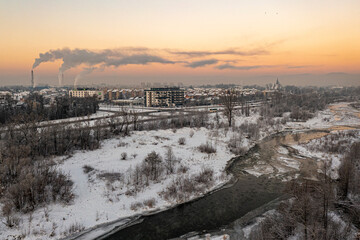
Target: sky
(194, 42)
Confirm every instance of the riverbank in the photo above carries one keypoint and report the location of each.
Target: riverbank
(101, 202)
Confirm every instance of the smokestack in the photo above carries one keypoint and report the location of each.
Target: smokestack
(60, 78)
(32, 78)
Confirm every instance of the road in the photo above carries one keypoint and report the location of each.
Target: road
(157, 114)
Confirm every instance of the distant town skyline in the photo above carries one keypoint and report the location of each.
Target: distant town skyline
(193, 42)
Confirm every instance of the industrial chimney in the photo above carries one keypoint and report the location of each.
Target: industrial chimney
(32, 78)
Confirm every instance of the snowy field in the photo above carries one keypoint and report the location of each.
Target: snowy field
(103, 194)
(337, 144)
(337, 114)
(98, 200)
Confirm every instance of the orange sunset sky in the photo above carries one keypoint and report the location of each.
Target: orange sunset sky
(194, 42)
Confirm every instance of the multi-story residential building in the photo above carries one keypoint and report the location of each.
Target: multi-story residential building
(82, 93)
(164, 97)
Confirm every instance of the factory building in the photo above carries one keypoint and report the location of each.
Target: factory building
(164, 97)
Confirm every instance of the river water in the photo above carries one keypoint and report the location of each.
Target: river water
(220, 208)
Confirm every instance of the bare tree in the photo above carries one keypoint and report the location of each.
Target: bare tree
(349, 172)
(182, 141)
(228, 100)
(123, 156)
(153, 160)
(134, 118)
(170, 161)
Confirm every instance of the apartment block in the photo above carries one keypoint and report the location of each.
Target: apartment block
(164, 97)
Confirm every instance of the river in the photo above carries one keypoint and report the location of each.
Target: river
(217, 210)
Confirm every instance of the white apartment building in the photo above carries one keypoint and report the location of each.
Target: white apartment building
(82, 93)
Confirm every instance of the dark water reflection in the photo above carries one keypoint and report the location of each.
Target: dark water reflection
(211, 212)
(220, 208)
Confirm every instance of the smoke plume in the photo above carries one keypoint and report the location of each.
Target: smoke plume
(82, 74)
(100, 59)
(97, 59)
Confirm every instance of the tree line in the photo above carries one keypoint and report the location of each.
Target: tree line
(44, 109)
(325, 209)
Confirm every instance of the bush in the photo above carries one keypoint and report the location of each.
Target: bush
(252, 130)
(207, 148)
(182, 169)
(150, 203)
(182, 141)
(75, 228)
(10, 219)
(123, 156)
(110, 176)
(191, 134)
(39, 184)
(205, 176)
(170, 161)
(186, 186)
(122, 144)
(87, 169)
(136, 205)
(236, 145)
(296, 137)
(153, 165)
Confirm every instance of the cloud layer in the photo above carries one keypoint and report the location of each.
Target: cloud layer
(92, 60)
(234, 52)
(202, 63)
(230, 66)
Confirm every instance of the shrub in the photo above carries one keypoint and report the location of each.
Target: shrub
(110, 176)
(123, 156)
(235, 145)
(39, 184)
(87, 169)
(238, 151)
(182, 141)
(205, 176)
(183, 187)
(122, 144)
(252, 130)
(129, 192)
(153, 165)
(10, 220)
(207, 148)
(182, 169)
(150, 203)
(191, 134)
(296, 137)
(75, 228)
(170, 161)
(136, 205)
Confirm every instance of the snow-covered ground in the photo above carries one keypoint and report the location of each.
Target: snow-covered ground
(96, 115)
(104, 107)
(99, 199)
(337, 114)
(341, 140)
(338, 118)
